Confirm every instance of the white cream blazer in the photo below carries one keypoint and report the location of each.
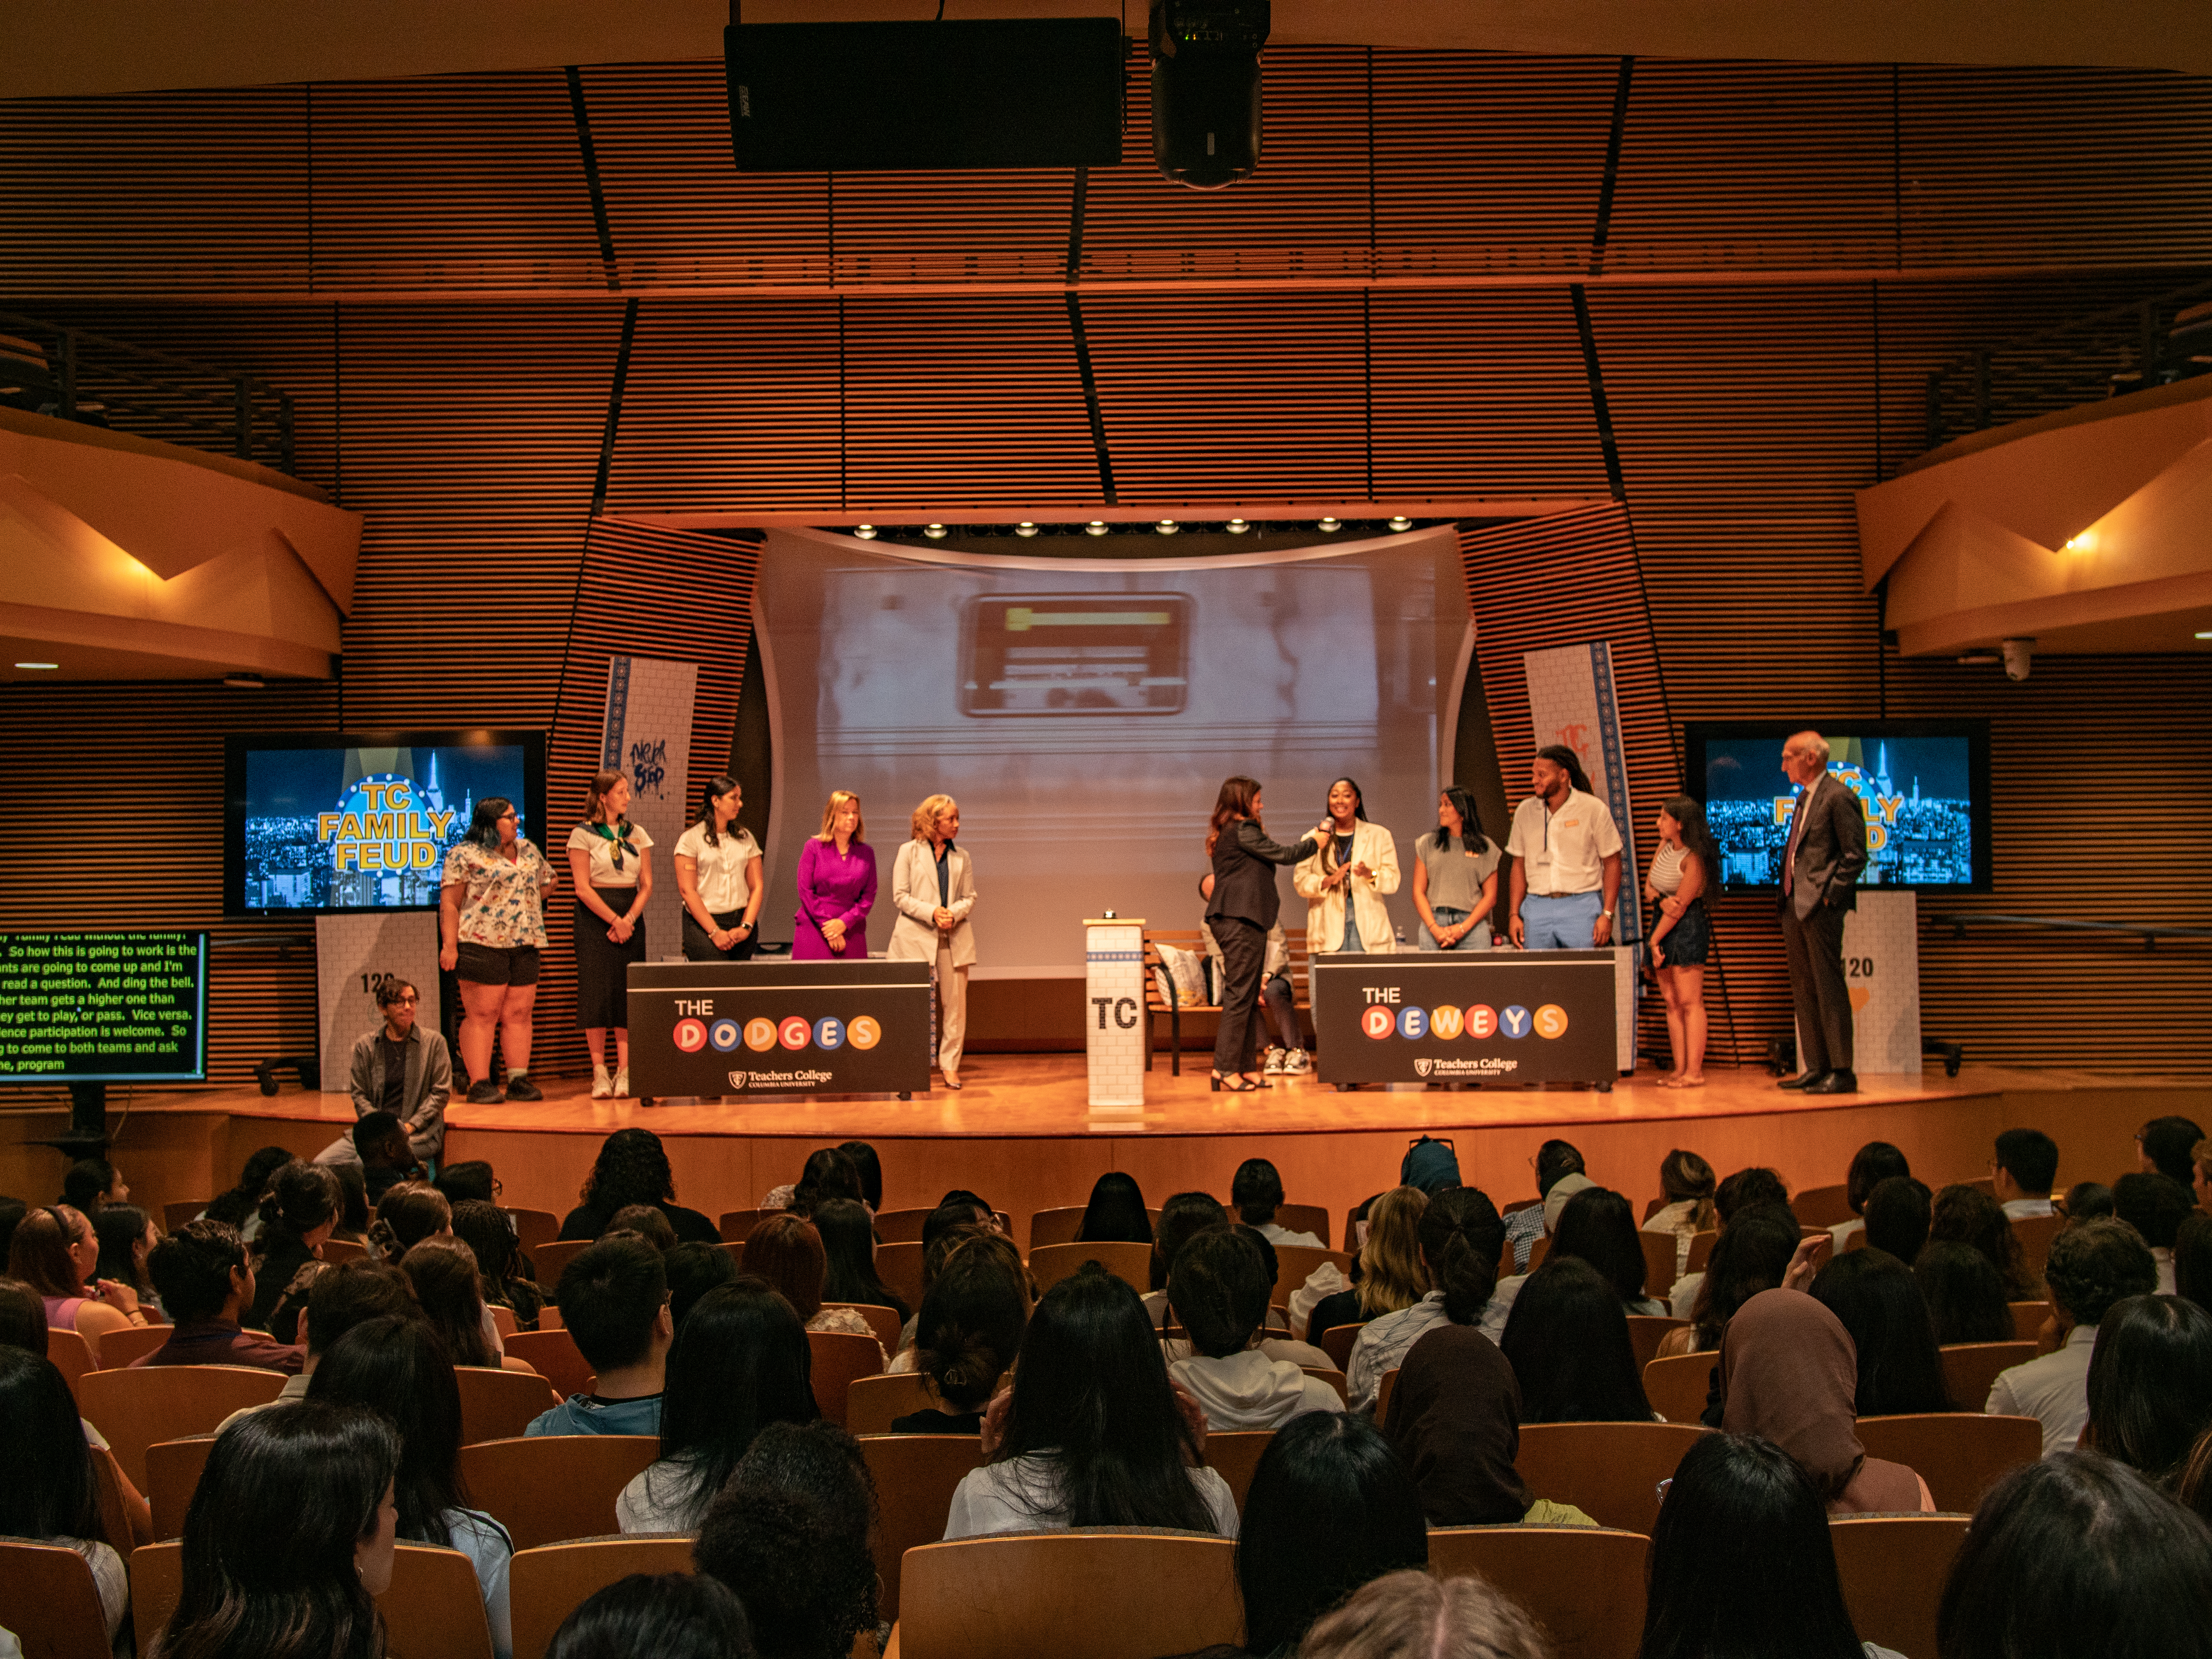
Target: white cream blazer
(1373, 846)
(914, 894)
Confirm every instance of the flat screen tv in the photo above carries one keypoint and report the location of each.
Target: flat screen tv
(1924, 786)
(103, 1007)
(363, 820)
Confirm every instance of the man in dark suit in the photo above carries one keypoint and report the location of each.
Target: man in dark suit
(1820, 882)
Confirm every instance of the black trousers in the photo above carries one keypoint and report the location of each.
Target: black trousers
(699, 944)
(1817, 988)
(1244, 953)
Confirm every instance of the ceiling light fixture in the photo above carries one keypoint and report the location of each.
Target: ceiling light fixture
(1238, 526)
(1167, 526)
(56, 664)
(935, 531)
(1095, 527)
(1401, 522)
(1026, 528)
(1330, 524)
(2201, 634)
(866, 532)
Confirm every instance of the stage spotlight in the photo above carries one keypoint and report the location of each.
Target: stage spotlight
(1401, 522)
(1330, 524)
(866, 532)
(1238, 526)
(1026, 528)
(1095, 527)
(1205, 88)
(1167, 526)
(934, 531)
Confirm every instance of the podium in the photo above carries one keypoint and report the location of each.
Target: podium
(1114, 1014)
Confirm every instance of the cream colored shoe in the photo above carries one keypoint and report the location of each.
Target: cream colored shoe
(622, 1083)
(603, 1086)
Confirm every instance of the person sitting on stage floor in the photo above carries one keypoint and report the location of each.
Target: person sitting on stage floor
(1218, 1287)
(968, 1333)
(1182, 1217)
(381, 1147)
(1897, 1215)
(1460, 1239)
(2023, 1172)
(788, 1254)
(1257, 1193)
(632, 1168)
(1286, 1054)
(2093, 1265)
(614, 1301)
(1736, 1194)
(2155, 1206)
(205, 1283)
(403, 1069)
(1556, 1160)
(1116, 1213)
(1872, 1165)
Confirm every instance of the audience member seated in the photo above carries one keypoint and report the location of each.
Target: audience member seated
(614, 1301)
(343, 1295)
(828, 1174)
(1964, 1294)
(1410, 1615)
(788, 1252)
(377, 1148)
(633, 1168)
(1556, 1161)
(2167, 1146)
(1219, 1289)
(2023, 1172)
(1455, 1421)
(1116, 1213)
(2155, 1206)
(740, 1362)
(353, 1203)
(1567, 1340)
(1788, 1374)
(1275, 1344)
(1092, 1433)
(1872, 1165)
(92, 1183)
(1741, 1562)
(2079, 1554)
(1687, 1183)
(949, 1229)
(789, 1533)
(2150, 1385)
(488, 1231)
(1874, 1295)
(869, 1169)
(1256, 1190)
(240, 1206)
(12, 1211)
(47, 1487)
(647, 1221)
(205, 1283)
(410, 1212)
(693, 1270)
(297, 1216)
(2192, 1260)
(472, 1182)
(1897, 1212)
(1967, 1215)
(443, 1272)
(1597, 1225)
(54, 1250)
(2085, 1201)
(670, 1615)
(2093, 1264)
(1753, 1254)
(400, 1368)
(1331, 1507)
(849, 1247)
(968, 1333)
(1389, 1273)
(1182, 1217)
(290, 1537)
(127, 1235)
(1744, 1190)
(1460, 1240)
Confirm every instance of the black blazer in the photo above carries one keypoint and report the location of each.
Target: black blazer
(1831, 852)
(1244, 876)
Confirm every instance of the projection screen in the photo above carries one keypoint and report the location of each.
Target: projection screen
(1085, 712)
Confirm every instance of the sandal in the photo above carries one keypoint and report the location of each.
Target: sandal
(1235, 1084)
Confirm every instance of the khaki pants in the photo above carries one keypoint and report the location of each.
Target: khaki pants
(951, 1011)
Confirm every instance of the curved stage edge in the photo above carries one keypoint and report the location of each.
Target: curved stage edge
(1021, 1133)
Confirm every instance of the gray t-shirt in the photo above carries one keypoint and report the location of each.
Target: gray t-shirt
(1455, 877)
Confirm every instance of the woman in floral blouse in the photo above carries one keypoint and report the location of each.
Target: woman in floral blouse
(491, 912)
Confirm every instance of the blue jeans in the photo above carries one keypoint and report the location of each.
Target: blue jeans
(1351, 928)
(1560, 924)
(1478, 937)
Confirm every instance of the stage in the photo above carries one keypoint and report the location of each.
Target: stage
(1021, 1133)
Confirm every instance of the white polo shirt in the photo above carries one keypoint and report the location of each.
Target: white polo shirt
(1565, 851)
(2054, 1389)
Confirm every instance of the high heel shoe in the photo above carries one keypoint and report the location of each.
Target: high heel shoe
(1235, 1083)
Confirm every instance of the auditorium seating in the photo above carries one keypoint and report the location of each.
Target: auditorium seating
(335, 1251)
(1893, 1568)
(554, 1356)
(1295, 1264)
(1646, 1332)
(551, 1259)
(1822, 1207)
(884, 1321)
(915, 1476)
(500, 1405)
(1234, 1455)
(52, 1604)
(115, 1517)
(1336, 1342)
(2027, 1319)
(1677, 1385)
(545, 1585)
(874, 1403)
(121, 1348)
(1609, 1471)
(2035, 1233)
(72, 1355)
(1131, 1262)
(1304, 1219)
(533, 1228)
(504, 1322)
(173, 1472)
(1334, 1378)
(550, 1488)
(434, 1610)
(1969, 1368)
(900, 1226)
(135, 1408)
(737, 1225)
(1659, 1255)
(1701, 1249)
(839, 1357)
(1584, 1584)
(1387, 1386)
(899, 1265)
(174, 1216)
(1034, 1594)
(1961, 1455)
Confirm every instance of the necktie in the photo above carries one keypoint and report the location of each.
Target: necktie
(1797, 829)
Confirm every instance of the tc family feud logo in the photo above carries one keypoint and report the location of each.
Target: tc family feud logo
(794, 1032)
(385, 823)
(1385, 1017)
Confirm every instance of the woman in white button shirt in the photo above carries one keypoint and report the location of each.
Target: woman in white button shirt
(1345, 882)
(934, 889)
(718, 872)
(611, 859)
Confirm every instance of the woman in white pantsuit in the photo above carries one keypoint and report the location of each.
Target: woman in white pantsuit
(933, 888)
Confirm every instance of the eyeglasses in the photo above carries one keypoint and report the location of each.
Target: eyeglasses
(410, 999)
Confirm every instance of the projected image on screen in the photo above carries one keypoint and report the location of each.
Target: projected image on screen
(1085, 713)
(1914, 791)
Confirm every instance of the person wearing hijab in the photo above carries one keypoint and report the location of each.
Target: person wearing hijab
(1455, 1418)
(1789, 1374)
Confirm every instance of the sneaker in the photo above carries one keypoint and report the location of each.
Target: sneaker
(1298, 1064)
(486, 1093)
(1273, 1064)
(602, 1085)
(519, 1087)
(622, 1083)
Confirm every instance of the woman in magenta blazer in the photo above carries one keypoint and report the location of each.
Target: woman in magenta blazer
(837, 887)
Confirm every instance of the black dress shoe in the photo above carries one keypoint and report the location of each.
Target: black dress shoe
(1803, 1080)
(1833, 1083)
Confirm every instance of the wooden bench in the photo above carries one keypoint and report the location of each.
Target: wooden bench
(1193, 940)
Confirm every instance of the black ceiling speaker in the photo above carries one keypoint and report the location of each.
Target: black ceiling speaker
(1205, 88)
(1002, 92)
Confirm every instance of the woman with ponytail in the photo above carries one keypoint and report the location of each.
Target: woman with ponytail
(411, 1211)
(969, 1332)
(718, 872)
(298, 1215)
(1462, 1238)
